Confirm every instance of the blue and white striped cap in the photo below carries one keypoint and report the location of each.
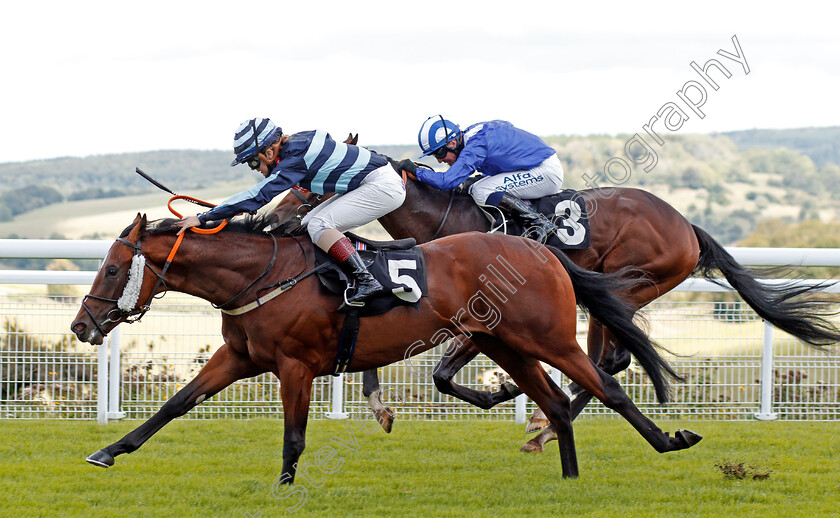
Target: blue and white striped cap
(436, 132)
(253, 136)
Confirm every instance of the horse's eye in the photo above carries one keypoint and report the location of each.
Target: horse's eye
(112, 271)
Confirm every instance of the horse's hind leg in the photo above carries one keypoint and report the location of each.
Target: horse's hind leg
(534, 381)
(223, 368)
(373, 393)
(460, 353)
(618, 400)
(610, 358)
(580, 369)
(606, 351)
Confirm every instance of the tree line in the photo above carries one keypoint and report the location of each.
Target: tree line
(803, 162)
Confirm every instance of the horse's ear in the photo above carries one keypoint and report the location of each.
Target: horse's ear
(352, 139)
(139, 219)
(138, 227)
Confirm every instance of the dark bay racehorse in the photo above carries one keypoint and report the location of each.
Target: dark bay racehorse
(629, 228)
(295, 334)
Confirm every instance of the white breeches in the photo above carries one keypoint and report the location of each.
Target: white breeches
(543, 180)
(381, 192)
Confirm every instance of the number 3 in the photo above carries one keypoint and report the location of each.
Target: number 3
(572, 232)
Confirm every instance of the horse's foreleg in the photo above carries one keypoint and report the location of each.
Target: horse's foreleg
(223, 368)
(296, 392)
(460, 353)
(371, 390)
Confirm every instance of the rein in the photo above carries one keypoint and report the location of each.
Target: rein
(406, 175)
(445, 215)
(279, 287)
(134, 284)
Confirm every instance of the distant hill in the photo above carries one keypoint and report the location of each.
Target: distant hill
(822, 145)
(180, 170)
(177, 169)
(726, 183)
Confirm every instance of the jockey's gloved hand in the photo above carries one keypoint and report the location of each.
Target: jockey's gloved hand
(464, 188)
(408, 166)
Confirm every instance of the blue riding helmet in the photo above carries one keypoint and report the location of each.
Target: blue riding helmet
(252, 137)
(435, 133)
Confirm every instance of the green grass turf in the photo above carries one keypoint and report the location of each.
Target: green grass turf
(460, 468)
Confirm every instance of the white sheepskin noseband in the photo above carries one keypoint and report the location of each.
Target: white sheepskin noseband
(131, 293)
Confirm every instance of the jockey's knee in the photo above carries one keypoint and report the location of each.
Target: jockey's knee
(314, 232)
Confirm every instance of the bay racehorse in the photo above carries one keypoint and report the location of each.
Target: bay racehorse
(295, 334)
(629, 228)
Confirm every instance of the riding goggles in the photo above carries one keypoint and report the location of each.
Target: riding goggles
(441, 152)
(254, 163)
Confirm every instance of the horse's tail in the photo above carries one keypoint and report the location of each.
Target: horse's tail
(597, 293)
(800, 318)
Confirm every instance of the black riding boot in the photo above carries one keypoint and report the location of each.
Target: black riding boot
(366, 285)
(538, 226)
(343, 252)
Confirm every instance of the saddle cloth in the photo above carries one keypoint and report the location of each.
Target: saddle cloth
(567, 209)
(397, 265)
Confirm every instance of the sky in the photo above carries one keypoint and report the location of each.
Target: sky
(90, 78)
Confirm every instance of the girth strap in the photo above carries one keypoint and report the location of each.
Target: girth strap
(347, 341)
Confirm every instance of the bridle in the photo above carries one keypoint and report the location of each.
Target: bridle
(308, 199)
(135, 313)
(121, 314)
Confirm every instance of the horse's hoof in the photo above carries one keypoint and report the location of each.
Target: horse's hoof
(385, 418)
(536, 424)
(102, 458)
(688, 437)
(531, 447)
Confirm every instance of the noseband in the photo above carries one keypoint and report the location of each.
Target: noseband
(119, 313)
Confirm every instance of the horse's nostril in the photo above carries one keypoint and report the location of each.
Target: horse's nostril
(78, 327)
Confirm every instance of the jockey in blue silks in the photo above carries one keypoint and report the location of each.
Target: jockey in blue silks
(365, 182)
(516, 165)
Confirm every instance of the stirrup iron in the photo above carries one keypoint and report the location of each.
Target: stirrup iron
(348, 303)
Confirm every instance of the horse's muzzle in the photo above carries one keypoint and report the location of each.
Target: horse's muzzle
(86, 333)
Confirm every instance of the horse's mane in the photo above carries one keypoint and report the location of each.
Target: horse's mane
(246, 224)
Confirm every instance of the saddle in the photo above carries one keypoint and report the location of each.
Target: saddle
(397, 265)
(566, 209)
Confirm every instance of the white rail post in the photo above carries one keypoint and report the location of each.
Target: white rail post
(115, 376)
(102, 383)
(338, 399)
(766, 406)
(520, 401)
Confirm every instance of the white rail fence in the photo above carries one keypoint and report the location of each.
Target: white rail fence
(736, 366)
